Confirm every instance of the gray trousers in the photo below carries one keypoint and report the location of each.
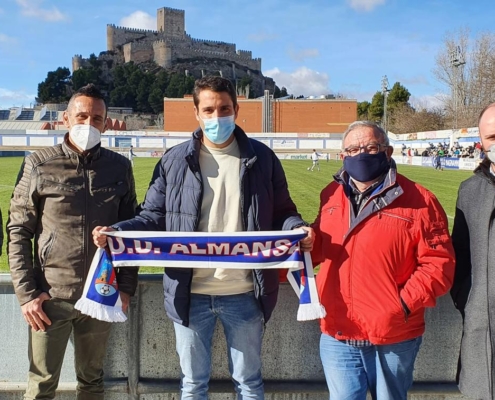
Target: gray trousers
(47, 349)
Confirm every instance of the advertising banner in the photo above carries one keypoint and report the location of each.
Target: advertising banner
(417, 161)
(427, 161)
(450, 162)
(469, 164)
(284, 144)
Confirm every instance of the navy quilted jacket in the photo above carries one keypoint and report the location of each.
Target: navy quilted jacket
(173, 203)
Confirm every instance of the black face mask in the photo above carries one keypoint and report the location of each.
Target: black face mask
(366, 167)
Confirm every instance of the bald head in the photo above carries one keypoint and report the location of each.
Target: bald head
(486, 125)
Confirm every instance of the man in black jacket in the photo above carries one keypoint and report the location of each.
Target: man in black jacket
(219, 181)
(61, 194)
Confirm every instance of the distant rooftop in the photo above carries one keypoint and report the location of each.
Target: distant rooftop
(20, 114)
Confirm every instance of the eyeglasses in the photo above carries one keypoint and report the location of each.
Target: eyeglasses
(372, 148)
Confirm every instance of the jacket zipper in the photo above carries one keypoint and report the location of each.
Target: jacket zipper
(242, 195)
(85, 217)
(394, 216)
(197, 174)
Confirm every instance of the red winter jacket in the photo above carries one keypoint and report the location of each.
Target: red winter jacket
(397, 248)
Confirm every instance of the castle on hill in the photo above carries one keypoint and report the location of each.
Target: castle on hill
(171, 47)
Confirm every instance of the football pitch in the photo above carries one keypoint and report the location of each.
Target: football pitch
(305, 186)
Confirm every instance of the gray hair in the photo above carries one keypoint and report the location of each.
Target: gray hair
(367, 124)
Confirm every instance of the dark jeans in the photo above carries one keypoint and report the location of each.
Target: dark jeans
(47, 349)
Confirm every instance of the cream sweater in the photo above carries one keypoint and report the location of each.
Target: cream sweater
(221, 212)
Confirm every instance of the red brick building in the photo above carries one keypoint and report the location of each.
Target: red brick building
(287, 116)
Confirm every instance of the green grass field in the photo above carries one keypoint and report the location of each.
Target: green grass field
(305, 186)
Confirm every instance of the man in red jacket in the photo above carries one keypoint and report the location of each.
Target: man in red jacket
(386, 254)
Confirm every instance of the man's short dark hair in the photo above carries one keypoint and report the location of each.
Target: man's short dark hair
(90, 90)
(216, 84)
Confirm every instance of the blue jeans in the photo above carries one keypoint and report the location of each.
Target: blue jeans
(386, 370)
(243, 326)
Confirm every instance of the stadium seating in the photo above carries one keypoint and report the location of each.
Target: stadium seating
(50, 116)
(25, 115)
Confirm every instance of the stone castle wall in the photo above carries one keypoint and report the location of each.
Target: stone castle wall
(137, 44)
(138, 52)
(192, 53)
(169, 45)
(117, 36)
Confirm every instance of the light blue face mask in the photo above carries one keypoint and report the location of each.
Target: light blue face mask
(218, 130)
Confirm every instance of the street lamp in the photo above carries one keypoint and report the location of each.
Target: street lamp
(456, 61)
(385, 91)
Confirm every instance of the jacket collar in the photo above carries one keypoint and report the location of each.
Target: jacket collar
(90, 155)
(248, 155)
(483, 171)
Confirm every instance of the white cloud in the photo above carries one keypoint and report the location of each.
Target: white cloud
(4, 39)
(262, 36)
(429, 101)
(412, 80)
(139, 20)
(365, 5)
(302, 54)
(302, 81)
(32, 8)
(9, 98)
(1, 11)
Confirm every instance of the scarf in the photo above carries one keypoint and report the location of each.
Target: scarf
(235, 250)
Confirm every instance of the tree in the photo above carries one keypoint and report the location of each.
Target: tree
(83, 76)
(397, 97)
(179, 86)
(362, 110)
(56, 87)
(243, 85)
(406, 119)
(280, 92)
(466, 68)
(375, 110)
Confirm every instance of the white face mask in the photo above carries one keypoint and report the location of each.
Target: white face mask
(84, 136)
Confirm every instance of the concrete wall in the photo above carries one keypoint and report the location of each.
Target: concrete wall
(142, 364)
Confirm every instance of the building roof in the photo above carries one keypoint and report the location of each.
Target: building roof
(22, 125)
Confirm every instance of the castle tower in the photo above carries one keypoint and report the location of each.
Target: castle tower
(77, 62)
(171, 22)
(162, 54)
(110, 37)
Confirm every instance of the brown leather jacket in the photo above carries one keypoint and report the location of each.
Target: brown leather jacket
(59, 197)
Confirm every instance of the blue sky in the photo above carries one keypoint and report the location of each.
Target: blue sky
(312, 47)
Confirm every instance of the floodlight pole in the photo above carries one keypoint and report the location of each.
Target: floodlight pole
(385, 91)
(456, 61)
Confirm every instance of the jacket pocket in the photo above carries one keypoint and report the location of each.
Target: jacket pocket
(47, 185)
(390, 217)
(109, 187)
(111, 193)
(45, 250)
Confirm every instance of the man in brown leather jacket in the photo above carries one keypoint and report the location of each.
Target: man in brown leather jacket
(62, 193)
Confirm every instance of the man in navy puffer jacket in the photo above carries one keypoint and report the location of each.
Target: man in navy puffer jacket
(219, 181)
